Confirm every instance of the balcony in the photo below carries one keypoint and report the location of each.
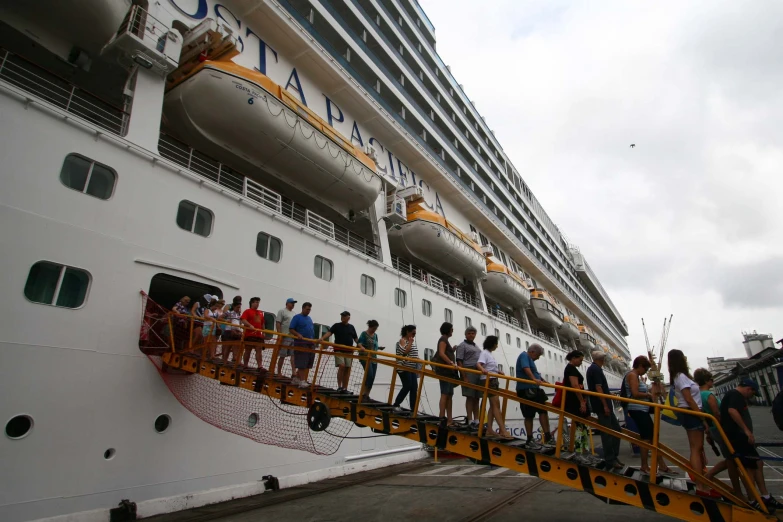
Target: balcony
(416, 273)
(237, 183)
(24, 74)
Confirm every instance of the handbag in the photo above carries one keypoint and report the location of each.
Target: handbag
(557, 400)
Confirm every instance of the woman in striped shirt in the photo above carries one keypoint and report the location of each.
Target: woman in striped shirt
(406, 347)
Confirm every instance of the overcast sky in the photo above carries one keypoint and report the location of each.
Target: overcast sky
(690, 221)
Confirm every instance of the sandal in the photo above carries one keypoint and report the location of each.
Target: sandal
(668, 470)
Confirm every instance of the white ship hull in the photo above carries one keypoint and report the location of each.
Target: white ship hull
(79, 375)
(91, 389)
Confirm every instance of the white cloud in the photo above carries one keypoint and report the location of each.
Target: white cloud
(689, 221)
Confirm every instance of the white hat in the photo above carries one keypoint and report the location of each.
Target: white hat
(210, 297)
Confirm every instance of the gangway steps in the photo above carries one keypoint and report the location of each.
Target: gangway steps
(671, 496)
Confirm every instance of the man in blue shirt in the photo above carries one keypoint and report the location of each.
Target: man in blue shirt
(526, 369)
(302, 327)
(601, 406)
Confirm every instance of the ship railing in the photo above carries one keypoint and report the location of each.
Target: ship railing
(503, 317)
(228, 178)
(178, 340)
(419, 274)
(145, 27)
(52, 88)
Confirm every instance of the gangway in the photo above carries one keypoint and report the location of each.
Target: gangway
(172, 341)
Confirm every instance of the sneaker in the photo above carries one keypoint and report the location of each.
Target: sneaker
(295, 381)
(397, 409)
(549, 443)
(303, 384)
(772, 504)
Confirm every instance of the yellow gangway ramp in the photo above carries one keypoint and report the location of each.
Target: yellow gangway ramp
(216, 376)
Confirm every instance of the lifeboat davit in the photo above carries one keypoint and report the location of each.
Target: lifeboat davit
(505, 286)
(568, 329)
(586, 339)
(224, 109)
(545, 309)
(431, 238)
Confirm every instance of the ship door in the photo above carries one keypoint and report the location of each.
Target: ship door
(166, 289)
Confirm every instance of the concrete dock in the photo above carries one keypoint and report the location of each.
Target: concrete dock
(459, 491)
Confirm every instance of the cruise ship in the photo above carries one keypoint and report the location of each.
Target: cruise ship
(313, 149)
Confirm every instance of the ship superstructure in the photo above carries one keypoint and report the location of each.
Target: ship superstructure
(305, 148)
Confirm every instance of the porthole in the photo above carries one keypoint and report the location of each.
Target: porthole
(630, 490)
(162, 423)
(252, 420)
(662, 499)
(19, 427)
(600, 481)
(109, 453)
(545, 467)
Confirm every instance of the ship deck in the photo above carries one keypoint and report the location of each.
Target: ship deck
(458, 490)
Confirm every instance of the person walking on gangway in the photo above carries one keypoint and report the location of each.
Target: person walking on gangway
(302, 327)
(344, 336)
(576, 403)
(406, 347)
(467, 357)
(282, 324)
(368, 340)
(444, 354)
(602, 407)
(487, 364)
(736, 422)
(526, 369)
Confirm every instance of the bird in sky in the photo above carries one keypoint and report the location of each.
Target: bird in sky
(633, 145)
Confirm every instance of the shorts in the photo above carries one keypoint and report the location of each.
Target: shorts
(472, 378)
(446, 388)
(343, 360)
(494, 384)
(285, 352)
(304, 358)
(692, 422)
(644, 424)
(746, 451)
(231, 335)
(715, 434)
(538, 395)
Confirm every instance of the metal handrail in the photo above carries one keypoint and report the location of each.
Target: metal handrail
(395, 362)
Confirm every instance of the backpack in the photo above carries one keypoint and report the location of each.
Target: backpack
(777, 410)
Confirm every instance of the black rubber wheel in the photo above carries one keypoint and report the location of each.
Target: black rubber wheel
(318, 417)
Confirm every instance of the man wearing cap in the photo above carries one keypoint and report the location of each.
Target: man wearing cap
(344, 334)
(736, 422)
(284, 316)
